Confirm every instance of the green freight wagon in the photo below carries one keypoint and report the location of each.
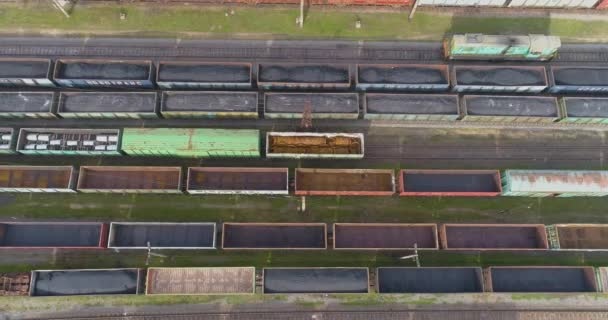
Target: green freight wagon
(191, 142)
(476, 46)
(554, 183)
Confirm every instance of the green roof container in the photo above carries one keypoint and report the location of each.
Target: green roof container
(191, 142)
(557, 183)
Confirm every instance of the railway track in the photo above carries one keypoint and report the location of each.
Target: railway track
(456, 314)
(343, 51)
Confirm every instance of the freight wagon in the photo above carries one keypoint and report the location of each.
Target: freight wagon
(510, 109)
(429, 280)
(37, 179)
(497, 79)
(584, 110)
(578, 79)
(107, 105)
(84, 282)
(587, 237)
(92, 142)
(238, 181)
(541, 279)
(161, 235)
(209, 104)
(319, 105)
(190, 142)
(200, 281)
(303, 76)
(476, 46)
(203, 75)
(89, 73)
(301, 145)
(27, 104)
(417, 107)
(347, 182)
(130, 179)
(402, 77)
(53, 235)
(18, 72)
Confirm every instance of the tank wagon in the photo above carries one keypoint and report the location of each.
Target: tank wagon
(193, 281)
(18, 72)
(477, 46)
(203, 75)
(584, 110)
(209, 104)
(84, 282)
(300, 145)
(496, 79)
(402, 77)
(130, 179)
(102, 105)
(303, 76)
(161, 235)
(89, 73)
(578, 79)
(43, 141)
(37, 179)
(417, 107)
(320, 105)
(27, 104)
(510, 109)
(53, 235)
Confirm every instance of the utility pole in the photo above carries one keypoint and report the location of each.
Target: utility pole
(301, 21)
(413, 11)
(60, 4)
(413, 256)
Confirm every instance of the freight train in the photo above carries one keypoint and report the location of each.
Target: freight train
(319, 280)
(306, 181)
(282, 105)
(476, 46)
(199, 75)
(301, 236)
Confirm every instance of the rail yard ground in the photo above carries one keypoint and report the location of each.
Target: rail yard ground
(279, 22)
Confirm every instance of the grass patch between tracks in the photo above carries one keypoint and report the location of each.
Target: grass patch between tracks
(213, 208)
(271, 22)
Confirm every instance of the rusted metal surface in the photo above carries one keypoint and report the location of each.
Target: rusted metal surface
(321, 145)
(36, 179)
(130, 179)
(14, 284)
(388, 236)
(224, 280)
(363, 182)
(208, 180)
(494, 237)
(582, 236)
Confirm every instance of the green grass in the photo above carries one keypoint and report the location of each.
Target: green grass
(176, 208)
(280, 23)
